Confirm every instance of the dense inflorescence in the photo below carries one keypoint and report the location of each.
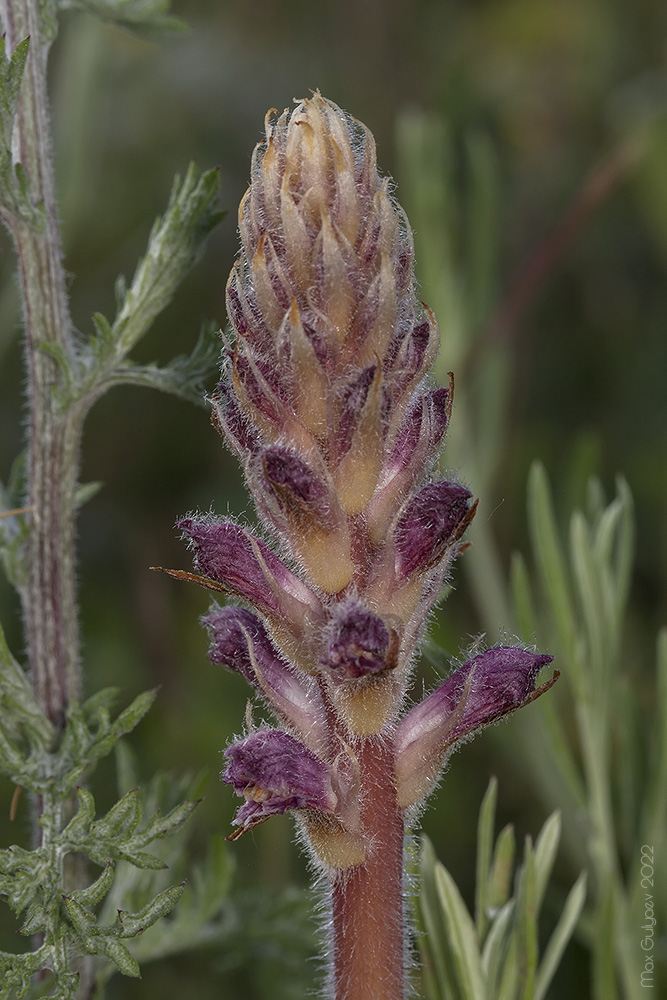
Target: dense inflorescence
(324, 397)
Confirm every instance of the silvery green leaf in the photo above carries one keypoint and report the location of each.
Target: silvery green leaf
(500, 875)
(560, 937)
(98, 889)
(11, 74)
(174, 245)
(83, 923)
(653, 824)
(623, 555)
(604, 951)
(35, 919)
(485, 826)
(121, 819)
(12, 762)
(526, 925)
(548, 552)
(72, 779)
(589, 592)
(124, 723)
(495, 947)
(439, 974)
(546, 847)
(461, 935)
(80, 823)
(116, 951)
(131, 924)
(185, 376)
(87, 491)
(142, 859)
(163, 826)
(14, 186)
(19, 709)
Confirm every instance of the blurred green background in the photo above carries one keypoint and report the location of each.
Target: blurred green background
(554, 93)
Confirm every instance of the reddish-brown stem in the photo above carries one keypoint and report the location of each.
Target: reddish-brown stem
(368, 945)
(594, 191)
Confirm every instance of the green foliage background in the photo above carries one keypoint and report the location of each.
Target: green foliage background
(552, 90)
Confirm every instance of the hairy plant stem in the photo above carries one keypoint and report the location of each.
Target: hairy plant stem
(367, 900)
(49, 598)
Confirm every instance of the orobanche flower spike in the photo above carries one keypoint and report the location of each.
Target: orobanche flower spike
(325, 399)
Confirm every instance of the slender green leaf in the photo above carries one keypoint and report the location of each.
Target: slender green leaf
(495, 948)
(487, 815)
(500, 878)
(589, 597)
(526, 924)
(604, 946)
(439, 976)
(95, 892)
(131, 924)
(122, 818)
(546, 848)
(654, 821)
(462, 936)
(121, 957)
(551, 564)
(560, 937)
(625, 546)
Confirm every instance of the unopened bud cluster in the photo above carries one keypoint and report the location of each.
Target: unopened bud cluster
(325, 401)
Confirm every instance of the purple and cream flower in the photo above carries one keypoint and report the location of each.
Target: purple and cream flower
(240, 641)
(325, 399)
(483, 690)
(274, 773)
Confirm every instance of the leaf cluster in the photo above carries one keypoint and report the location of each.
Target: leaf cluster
(15, 197)
(495, 955)
(599, 747)
(35, 881)
(174, 245)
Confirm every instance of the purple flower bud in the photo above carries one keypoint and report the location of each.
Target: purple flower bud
(243, 565)
(358, 643)
(260, 392)
(354, 401)
(240, 641)
(275, 773)
(412, 356)
(359, 441)
(294, 484)
(244, 314)
(304, 508)
(231, 424)
(433, 520)
(415, 442)
(480, 692)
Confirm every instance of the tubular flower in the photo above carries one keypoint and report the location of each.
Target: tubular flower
(325, 399)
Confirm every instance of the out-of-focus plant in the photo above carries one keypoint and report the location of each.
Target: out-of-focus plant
(610, 775)
(453, 193)
(596, 762)
(495, 953)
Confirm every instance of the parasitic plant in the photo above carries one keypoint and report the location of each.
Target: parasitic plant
(325, 399)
